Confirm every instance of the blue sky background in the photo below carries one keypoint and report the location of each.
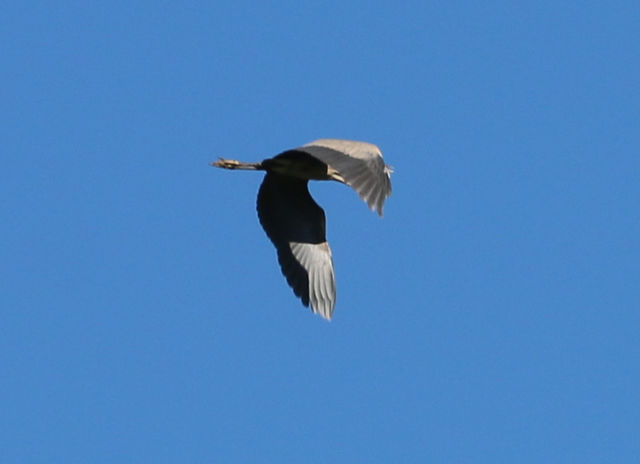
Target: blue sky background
(490, 316)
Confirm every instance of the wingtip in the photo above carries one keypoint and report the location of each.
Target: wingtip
(327, 317)
(377, 209)
(325, 312)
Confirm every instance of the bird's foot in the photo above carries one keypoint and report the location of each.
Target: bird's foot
(226, 163)
(233, 164)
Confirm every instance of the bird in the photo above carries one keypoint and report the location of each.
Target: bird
(296, 224)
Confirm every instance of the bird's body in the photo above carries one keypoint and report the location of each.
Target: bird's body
(295, 223)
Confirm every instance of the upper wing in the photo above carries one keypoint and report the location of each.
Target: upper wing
(357, 164)
(296, 225)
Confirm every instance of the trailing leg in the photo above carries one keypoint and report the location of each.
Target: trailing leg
(233, 164)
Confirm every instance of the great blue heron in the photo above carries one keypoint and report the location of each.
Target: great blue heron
(293, 220)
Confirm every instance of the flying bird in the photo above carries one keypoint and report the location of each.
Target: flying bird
(295, 223)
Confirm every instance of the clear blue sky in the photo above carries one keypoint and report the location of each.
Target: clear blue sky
(492, 315)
